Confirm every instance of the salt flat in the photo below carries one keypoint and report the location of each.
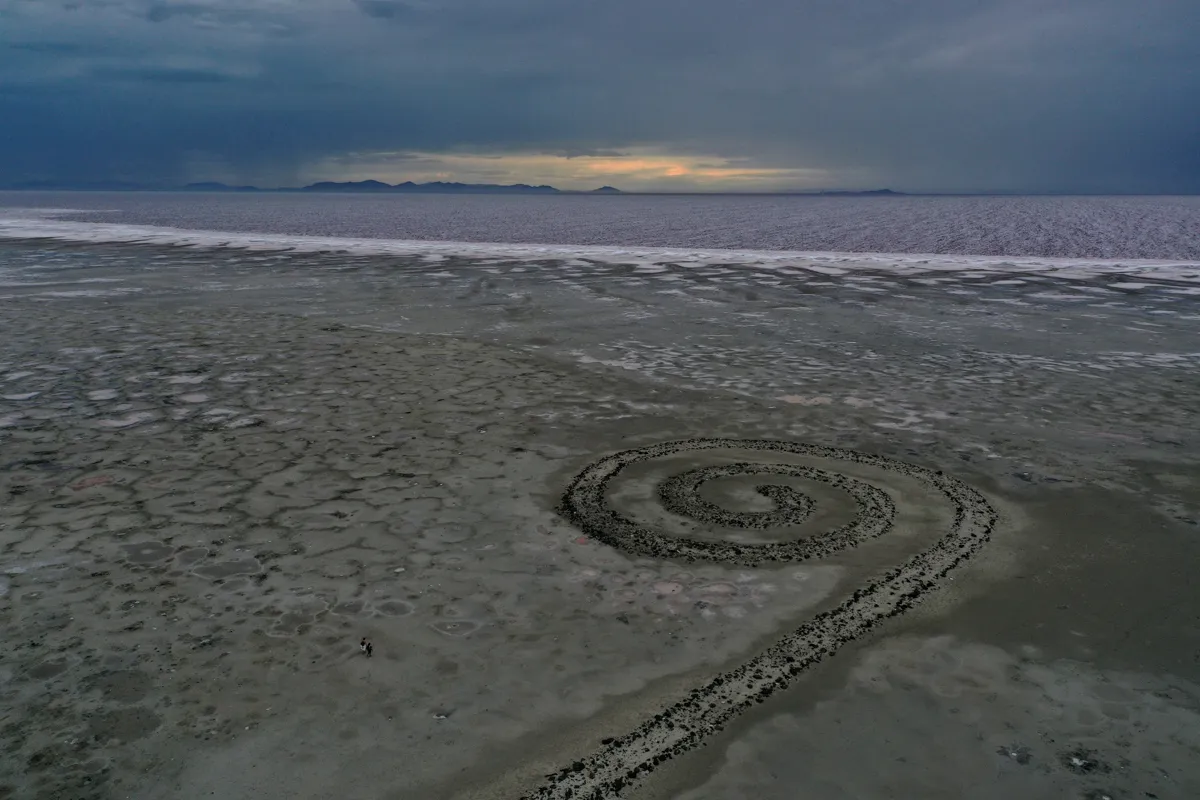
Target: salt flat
(222, 468)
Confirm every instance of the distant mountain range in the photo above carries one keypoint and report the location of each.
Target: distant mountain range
(369, 186)
(379, 187)
(437, 187)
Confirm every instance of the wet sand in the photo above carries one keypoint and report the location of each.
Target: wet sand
(209, 498)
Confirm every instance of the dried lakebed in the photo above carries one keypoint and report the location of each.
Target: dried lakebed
(586, 544)
(204, 514)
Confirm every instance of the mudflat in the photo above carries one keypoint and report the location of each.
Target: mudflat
(913, 574)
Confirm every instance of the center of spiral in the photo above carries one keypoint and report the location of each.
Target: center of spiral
(680, 494)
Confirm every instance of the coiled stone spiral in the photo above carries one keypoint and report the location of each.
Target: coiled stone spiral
(586, 504)
(625, 759)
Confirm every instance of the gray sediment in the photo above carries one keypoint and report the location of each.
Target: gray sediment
(696, 533)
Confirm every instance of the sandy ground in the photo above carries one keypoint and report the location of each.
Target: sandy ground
(208, 500)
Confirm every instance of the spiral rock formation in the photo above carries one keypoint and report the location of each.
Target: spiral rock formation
(585, 504)
(624, 760)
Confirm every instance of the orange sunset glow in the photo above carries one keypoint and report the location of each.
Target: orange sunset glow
(634, 170)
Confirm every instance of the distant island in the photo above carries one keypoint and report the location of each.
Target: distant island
(360, 187)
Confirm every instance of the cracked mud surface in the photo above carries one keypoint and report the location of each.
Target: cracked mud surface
(215, 485)
(228, 512)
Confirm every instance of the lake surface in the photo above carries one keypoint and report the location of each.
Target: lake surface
(1069, 227)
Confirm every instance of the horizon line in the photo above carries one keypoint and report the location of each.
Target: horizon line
(218, 187)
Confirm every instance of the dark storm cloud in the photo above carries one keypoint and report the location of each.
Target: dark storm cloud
(160, 12)
(383, 9)
(56, 48)
(1010, 95)
(165, 75)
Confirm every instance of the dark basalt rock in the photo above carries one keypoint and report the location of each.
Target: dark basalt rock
(708, 708)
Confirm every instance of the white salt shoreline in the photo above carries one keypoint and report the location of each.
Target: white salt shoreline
(20, 223)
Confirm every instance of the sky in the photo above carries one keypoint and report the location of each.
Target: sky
(1089, 96)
